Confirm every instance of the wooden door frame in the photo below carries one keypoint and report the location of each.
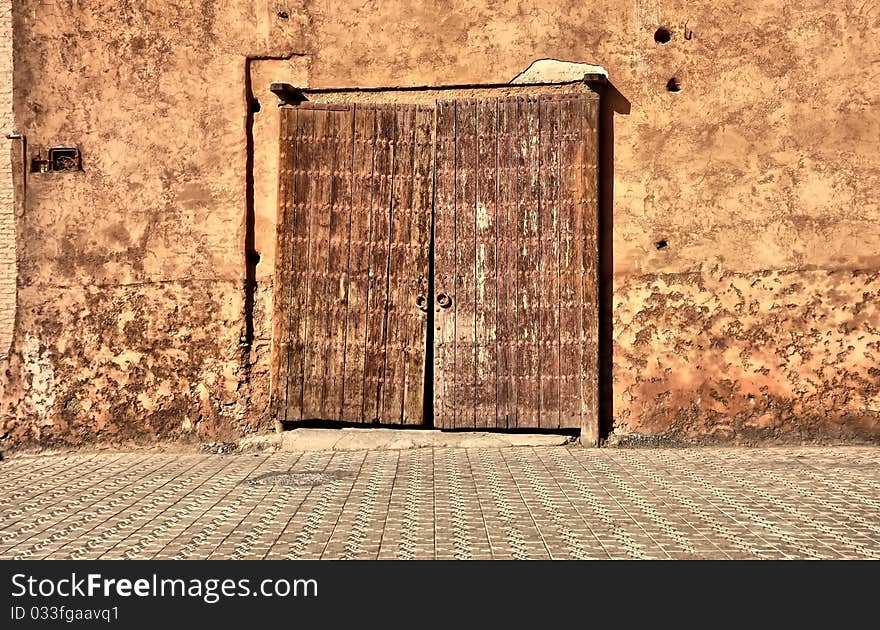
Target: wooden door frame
(610, 101)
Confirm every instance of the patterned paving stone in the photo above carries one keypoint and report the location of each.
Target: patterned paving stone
(511, 503)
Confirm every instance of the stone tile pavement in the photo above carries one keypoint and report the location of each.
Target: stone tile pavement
(517, 502)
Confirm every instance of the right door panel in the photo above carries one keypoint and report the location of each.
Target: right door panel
(516, 282)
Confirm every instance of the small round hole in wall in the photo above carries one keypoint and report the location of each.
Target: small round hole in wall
(283, 15)
(662, 35)
(254, 258)
(673, 85)
(661, 244)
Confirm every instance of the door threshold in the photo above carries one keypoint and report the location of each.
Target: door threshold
(376, 439)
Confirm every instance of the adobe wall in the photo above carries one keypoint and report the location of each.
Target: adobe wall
(758, 320)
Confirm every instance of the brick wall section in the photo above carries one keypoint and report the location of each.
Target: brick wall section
(7, 224)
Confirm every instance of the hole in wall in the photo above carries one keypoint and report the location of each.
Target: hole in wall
(673, 85)
(255, 106)
(64, 159)
(661, 244)
(283, 15)
(254, 258)
(662, 35)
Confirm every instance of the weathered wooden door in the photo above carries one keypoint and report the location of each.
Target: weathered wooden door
(511, 184)
(516, 317)
(354, 235)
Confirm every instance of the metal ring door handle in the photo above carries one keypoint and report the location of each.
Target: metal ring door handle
(422, 303)
(444, 300)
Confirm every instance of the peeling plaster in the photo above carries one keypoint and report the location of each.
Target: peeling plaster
(39, 377)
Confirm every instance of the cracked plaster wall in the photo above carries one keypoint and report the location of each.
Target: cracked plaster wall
(759, 320)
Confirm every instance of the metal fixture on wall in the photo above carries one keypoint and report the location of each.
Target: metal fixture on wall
(59, 160)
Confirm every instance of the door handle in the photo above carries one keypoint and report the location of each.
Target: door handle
(443, 300)
(422, 303)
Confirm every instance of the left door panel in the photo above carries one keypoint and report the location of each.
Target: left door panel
(354, 220)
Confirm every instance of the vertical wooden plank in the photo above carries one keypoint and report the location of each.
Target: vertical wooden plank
(589, 186)
(315, 337)
(445, 374)
(548, 278)
(507, 265)
(571, 248)
(363, 164)
(302, 182)
(377, 298)
(417, 264)
(528, 239)
(486, 268)
(336, 285)
(464, 300)
(400, 302)
(318, 343)
(283, 254)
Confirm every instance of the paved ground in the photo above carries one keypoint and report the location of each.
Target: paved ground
(558, 502)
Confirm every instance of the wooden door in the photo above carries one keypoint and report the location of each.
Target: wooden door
(516, 286)
(355, 191)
